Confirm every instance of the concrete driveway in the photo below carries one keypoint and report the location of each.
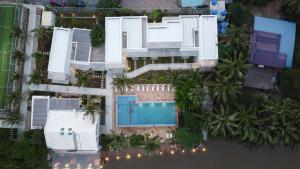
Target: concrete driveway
(150, 4)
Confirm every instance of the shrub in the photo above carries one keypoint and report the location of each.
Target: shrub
(239, 14)
(186, 138)
(136, 140)
(290, 82)
(97, 35)
(260, 3)
(156, 15)
(109, 4)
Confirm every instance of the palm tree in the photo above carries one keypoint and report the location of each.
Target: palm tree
(36, 77)
(83, 78)
(43, 35)
(196, 96)
(14, 97)
(224, 90)
(247, 122)
(16, 32)
(12, 118)
(16, 76)
(121, 81)
(223, 122)
(236, 38)
(292, 6)
(90, 110)
(152, 144)
(18, 56)
(119, 141)
(234, 68)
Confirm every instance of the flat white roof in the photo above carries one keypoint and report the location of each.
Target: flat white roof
(167, 31)
(133, 26)
(60, 50)
(208, 37)
(71, 130)
(113, 39)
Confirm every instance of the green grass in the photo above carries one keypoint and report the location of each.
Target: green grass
(6, 23)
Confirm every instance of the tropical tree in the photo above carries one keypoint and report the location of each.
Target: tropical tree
(136, 140)
(121, 81)
(236, 38)
(90, 110)
(14, 97)
(152, 144)
(43, 35)
(234, 68)
(247, 121)
(118, 141)
(83, 77)
(16, 76)
(224, 90)
(12, 118)
(16, 32)
(223, 122)
(97, 34)
(239, 14)
(292, 6)
(109, 4)
(18, 56)
(36, 77)
(155, 15)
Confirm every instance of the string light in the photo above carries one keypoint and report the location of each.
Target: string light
(128, 156)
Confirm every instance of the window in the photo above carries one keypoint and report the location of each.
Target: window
(196, 38)
(124, 39)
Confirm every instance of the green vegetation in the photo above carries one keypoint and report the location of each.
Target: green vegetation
(121, 81)
(187, 138)
(239, 14)
(292, 6)
(28, 153)
(97, 34)
(156, 15)
(109, 4)
(290, 82)
(6, 25)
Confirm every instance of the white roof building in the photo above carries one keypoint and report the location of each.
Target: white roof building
(70, 130)
(48, 19)
(186, 35)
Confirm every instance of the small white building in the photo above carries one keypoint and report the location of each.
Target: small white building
(48, 19)
(71, 131)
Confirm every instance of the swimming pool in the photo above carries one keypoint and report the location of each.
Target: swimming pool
(132, 113)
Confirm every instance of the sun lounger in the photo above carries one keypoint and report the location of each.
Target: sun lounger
(147, 88)
(143, 88)
(163, 88)
(152, 88)
(157, 87)
(116, 89)
(137, 88)
(126, 89)
(168, 88)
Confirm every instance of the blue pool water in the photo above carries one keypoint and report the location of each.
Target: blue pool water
(133, 113)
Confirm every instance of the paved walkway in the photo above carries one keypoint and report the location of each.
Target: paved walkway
(220, 155)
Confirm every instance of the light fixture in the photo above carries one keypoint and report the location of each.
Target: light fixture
(118, 157)
(161, 153)
(128, 156)
(172, 152)
(193, 150)
(101, 166)
(94, 16)
(106, 158)
(203, 149)
(139, 155)
(182, 151)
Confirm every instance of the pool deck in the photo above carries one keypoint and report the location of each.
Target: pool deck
(158, 94)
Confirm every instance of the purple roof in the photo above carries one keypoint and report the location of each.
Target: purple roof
(265, 49)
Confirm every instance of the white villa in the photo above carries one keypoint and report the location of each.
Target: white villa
(65, 126)
(133, 37)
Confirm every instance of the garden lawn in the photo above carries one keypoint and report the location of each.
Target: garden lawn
(6, 23)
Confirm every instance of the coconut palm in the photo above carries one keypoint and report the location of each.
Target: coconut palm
(247, 122)
(90, 110)
(155, 15)
(12, 118)
(121, 81)
(234, 68)
(152, 144)
(236, 38)
(83, 78)
(196, 96)
(36, 77)
(224, 90)
(18, 56)
(119, 141)
(14, 97)
(42, 33)
(16, 32)
(292, 6)
(16, 76)
(223, 122)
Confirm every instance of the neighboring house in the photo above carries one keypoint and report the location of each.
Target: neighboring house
(65, 126)
(71, 131)
(133, 37)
